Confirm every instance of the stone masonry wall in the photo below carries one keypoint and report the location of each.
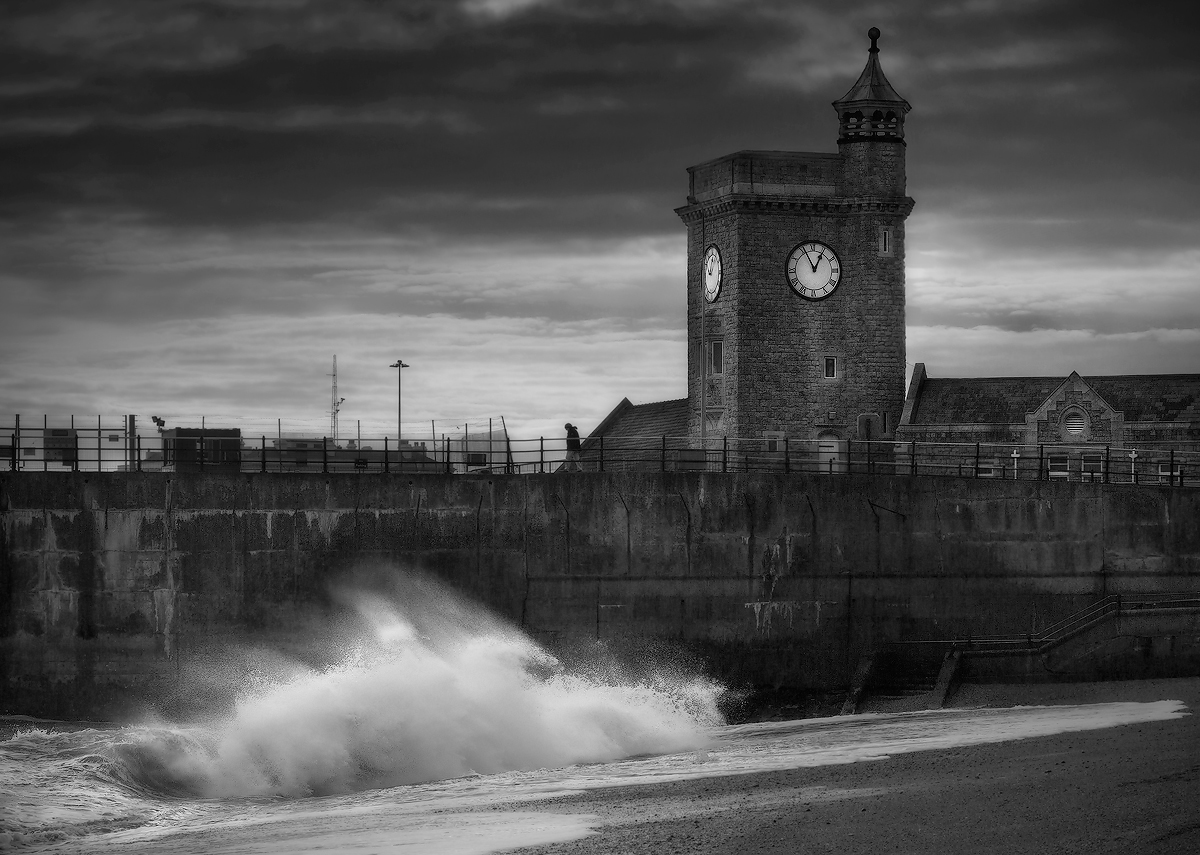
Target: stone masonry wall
(120, 590)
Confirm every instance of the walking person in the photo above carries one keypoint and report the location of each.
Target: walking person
(572, 463)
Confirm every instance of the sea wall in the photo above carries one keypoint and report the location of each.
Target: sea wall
(115, 586)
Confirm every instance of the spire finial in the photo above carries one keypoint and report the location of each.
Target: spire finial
(873, 35)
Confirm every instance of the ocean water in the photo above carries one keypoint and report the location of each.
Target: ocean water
(440, 730)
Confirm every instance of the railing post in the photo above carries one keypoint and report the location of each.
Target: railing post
(387, 466)
(975, 474)
(201, 450)
(75, 454)
(264, 453)
(913, 461)
(324, 456)
(1171, 470)
(724, 454)
(870, 467)
(138, 442)
(1041, 453)
(663, 460)
(541, 454)
(601, 452)
(787, 456)
(1106, 464)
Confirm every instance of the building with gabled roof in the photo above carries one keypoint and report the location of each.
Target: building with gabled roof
(632, 431)
(1126, 411)
(1074, 427)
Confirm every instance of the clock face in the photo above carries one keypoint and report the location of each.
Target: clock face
(813, 270)
(712, 273)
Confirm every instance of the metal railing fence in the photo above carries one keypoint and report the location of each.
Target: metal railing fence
(1066, 628)
(123, 445)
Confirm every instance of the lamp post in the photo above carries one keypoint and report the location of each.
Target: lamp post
(400, 366)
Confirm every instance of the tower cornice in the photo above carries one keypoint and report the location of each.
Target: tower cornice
(829, 205)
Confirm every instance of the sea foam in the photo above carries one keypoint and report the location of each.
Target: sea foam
(434, 688)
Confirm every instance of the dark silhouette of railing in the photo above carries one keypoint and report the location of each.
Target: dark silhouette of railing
(124, 447)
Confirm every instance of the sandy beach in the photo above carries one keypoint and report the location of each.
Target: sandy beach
(1130, 789)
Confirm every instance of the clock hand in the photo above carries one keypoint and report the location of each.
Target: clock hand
(811, 263)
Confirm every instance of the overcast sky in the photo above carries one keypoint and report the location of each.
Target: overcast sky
(202, 202)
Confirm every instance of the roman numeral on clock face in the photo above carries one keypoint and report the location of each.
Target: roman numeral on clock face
(813, 270)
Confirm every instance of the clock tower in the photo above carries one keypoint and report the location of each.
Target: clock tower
(796, 283)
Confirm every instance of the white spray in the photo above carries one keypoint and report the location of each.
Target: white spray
(427, 698)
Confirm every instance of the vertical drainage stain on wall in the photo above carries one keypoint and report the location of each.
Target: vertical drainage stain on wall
(750, 543)
(525, 550)
(85, 579)
(479, 534)
(566, 533)
(166, 597)
(58, 599)
(628, 534)
(325, 522)
(687, 534)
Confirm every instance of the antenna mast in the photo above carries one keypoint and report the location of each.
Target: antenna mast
(335, 404)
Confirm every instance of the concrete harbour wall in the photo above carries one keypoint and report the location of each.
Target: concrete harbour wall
(113, 585)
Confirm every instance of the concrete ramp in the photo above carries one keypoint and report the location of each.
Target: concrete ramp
(858, 687)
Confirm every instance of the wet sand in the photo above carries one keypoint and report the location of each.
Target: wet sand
(1130, 789)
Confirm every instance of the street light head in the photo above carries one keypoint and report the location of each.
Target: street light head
(398, 364)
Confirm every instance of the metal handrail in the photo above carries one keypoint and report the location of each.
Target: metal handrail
(1056, 633)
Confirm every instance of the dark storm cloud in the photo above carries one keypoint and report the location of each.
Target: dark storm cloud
(241, 113)
(312, 128)
(297, 175)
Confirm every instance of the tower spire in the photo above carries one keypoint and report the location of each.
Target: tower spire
(872, 109)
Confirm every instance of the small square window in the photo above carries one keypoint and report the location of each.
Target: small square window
(830, 367)
(1092, 467)
(1058, 466)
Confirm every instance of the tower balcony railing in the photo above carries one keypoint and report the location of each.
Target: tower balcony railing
(112, 446)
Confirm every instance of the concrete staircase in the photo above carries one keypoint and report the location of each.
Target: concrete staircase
(1122, 636)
